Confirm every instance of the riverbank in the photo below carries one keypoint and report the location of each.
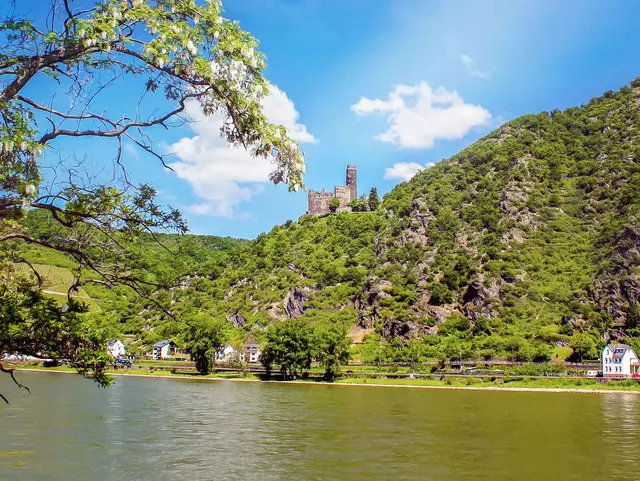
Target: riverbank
(582, 386)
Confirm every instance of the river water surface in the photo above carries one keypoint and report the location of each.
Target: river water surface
(164, 429)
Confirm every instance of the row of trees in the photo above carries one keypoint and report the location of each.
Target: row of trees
(293, 345)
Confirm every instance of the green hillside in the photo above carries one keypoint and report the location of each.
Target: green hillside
(510, 248)
(521, 245)
(164, 259)
(56, 282)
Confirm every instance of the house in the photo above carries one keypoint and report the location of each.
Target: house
(164, 349)
(229, 354)
(116, 348)
(253, 353)
(619, 360)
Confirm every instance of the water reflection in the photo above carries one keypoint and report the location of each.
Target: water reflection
(620, 434)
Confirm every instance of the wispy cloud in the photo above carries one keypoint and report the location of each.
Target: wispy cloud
(418, 115)
(131, 150)
(405, 170)
(471, 64)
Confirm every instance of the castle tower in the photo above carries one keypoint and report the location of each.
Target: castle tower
(352, 181)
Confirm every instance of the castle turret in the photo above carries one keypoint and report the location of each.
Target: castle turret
(352, 181)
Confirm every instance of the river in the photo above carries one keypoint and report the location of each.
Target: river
(165, 429)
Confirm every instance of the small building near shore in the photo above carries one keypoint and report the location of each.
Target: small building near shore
(228, 354)
(249, 353)
(619, 360)
(164, 349)
(253, 353)
(116, 348)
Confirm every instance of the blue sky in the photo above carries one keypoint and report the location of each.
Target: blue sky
(469, 65)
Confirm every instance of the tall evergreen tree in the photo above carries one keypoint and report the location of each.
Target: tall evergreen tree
(374, 200)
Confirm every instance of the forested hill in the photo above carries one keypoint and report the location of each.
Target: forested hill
(527, 240)
(531, 233)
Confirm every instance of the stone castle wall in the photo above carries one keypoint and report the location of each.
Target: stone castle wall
(343, 194)
(319, 201)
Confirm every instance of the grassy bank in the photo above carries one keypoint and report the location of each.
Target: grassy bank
(552, 385)
(145, 373)
(507, 384)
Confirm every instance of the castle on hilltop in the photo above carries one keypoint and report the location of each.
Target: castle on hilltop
(319, 201)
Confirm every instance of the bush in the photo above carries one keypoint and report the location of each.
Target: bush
(440, 294)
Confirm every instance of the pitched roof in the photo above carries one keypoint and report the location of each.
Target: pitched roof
(163, 343)
(113, 343)
(250, 340)
(619, 350)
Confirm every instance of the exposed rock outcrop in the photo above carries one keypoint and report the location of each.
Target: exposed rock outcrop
(406, 329)
(294, 303)
(618, 288)
(238, 320)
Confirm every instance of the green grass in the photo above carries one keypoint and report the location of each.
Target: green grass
(56, 282)
(569, 383)
(145, 372)
(580, 383)
(561, 353)
(150, 363)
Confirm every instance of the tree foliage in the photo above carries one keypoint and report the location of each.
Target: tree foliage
(202, 337)
(289, 346)
(33, 324)
(176, 53)
(583, 346)
(331, 347)
(373, 200)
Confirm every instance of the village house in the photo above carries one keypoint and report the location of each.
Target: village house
(619, 360)
(116, 348)
(228, 354)
(250, 354)
(164, 349)
(253, 353)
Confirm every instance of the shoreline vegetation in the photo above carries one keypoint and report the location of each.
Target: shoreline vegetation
(566, 385)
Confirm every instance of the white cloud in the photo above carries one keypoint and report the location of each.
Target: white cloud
(131, 150)
(471, 65)
(419, 115)
(223, 176)
(405, 170)
(280, 110)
